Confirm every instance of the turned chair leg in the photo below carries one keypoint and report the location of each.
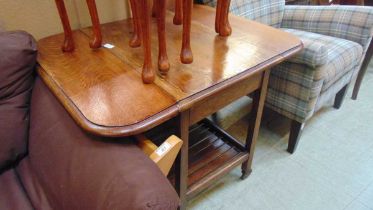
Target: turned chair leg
(163, 64)
(339, 97)
(362, 71)
(295, 133)
(142, 8)
(136, 38)
(186, 55)
(155, 8)
(222, 25)
(218, 16)
(68, 44)
(178, 12)
(97, 37)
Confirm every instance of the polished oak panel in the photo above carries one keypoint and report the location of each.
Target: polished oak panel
(105, 90)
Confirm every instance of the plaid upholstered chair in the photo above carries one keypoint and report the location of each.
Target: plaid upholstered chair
(335, 40)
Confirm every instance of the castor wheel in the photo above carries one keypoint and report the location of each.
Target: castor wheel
(245, 174)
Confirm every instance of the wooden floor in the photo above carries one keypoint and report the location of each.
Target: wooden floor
(332, 168)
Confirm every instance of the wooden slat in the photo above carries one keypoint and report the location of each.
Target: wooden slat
(195, 148)
(210, 144)
(209, 154)
(208, 181)
(212, 166)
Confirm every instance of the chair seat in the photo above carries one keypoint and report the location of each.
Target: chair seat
(334, 56)
(295, 85)
(12, 195)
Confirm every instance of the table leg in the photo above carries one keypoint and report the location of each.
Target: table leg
(97, 37)
(136, 38)
(148, 74)
(178, 12)
(254, 123)
(181, 166)
(163, 64)
(68, 44)
(224, 25)
(186, 52)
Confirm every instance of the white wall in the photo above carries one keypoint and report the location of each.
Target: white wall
(40, 17)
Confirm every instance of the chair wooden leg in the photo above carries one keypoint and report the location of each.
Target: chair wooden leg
(224, 26)
(339, 97)
(155, 9)
(295, 133)
(163, 64)
(178, 12)
(218, 16)
(68, 44)
(148, 74)
(136, 38)
(362, 71)
(186, 55)
(97, 37)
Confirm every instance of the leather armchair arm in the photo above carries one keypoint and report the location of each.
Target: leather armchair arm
(69, 169)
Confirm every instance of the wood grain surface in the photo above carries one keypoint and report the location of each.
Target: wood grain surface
(103, 91)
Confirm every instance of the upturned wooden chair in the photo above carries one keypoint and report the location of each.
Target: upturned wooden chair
(140, 8)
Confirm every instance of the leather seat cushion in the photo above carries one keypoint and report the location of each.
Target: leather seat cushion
(12, 195)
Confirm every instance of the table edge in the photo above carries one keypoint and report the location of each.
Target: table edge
(102, 130)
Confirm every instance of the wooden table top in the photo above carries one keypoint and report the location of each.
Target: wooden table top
(103, 91)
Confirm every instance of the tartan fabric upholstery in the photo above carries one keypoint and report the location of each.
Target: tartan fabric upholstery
(294, 88)
(315, 51)
(354, 23)
(343, 56)
(326, 95)
(268, 12)
(339, 55)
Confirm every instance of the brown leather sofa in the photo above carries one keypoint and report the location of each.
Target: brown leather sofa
(48, 162)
